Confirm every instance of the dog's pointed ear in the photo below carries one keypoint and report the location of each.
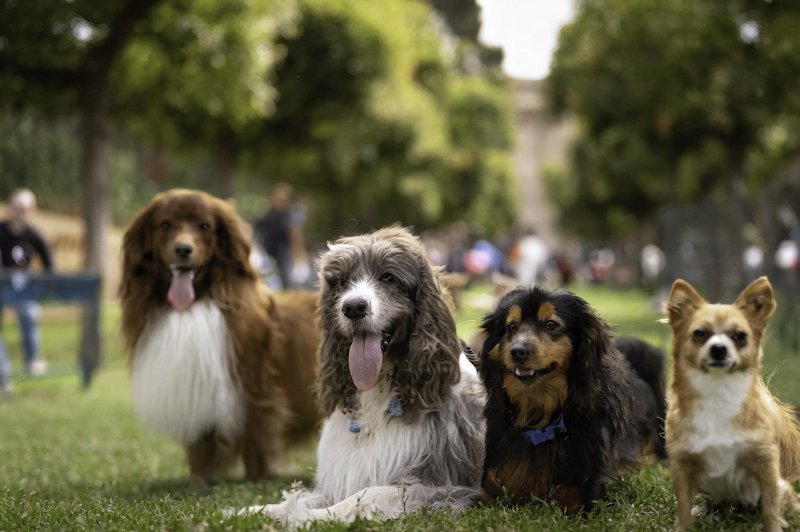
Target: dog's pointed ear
(683, 300)
(757, 302)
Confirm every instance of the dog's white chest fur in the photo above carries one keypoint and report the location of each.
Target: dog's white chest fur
(375, 456)
(715, 438)
(181, 381)
(385, 451)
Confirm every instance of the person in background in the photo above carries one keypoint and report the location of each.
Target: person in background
(280, 234)
(20, 244)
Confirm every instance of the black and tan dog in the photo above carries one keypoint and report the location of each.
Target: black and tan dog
(566, 412)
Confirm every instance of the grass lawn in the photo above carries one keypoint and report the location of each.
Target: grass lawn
(73, 459)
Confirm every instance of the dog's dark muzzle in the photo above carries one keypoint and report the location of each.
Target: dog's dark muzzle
(519, 353)
(355, 308)
(718, 356)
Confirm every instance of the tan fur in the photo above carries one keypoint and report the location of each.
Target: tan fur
(517, 479)
(547, 394)
(767, 427)
(275, 337)
(546, 310)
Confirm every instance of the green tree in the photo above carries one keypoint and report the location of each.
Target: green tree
(59, 56)
(197, 78)
(374, 122)
(672, 99)
(370, 120)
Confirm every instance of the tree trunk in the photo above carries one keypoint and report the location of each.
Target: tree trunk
(94, 168)
(734, 212)
(225, 166)
(95, 146)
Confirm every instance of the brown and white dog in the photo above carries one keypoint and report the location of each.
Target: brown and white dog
(727, 436)
(216, 361)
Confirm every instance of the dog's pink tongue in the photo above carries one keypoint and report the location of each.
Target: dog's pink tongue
(181, 290)
(365, 360)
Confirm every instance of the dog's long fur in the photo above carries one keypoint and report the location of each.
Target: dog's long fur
(232, 374)
(546, 357)
(727, 436)
(415, 438)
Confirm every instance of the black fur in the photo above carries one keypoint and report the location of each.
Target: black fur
(607, 412)
(648, 362)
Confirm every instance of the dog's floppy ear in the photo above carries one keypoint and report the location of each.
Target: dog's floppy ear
(232, 241)
(334, 382)
(493, 327)
(594, 341)
(683, 301)
(757, 302)
(140, 270)
(494, 323)
(138, 255)
(434, 347)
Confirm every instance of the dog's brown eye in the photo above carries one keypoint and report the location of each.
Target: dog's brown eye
(739, 337)
(204, 226)
(700, 334)
(512, 328)
(388, 278)
(165, 225)
(551, 325)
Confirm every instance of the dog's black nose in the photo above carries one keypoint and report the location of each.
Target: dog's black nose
(519, 353)
(183, 250)
(718, 352)
(355, 308)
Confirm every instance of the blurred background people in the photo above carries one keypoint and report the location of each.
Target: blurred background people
(280, 234)
(20, 245)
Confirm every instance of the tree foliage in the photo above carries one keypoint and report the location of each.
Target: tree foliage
(370, 120)
(376, 111)
(675, 101)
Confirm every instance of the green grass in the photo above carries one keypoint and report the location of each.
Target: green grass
(72, 459)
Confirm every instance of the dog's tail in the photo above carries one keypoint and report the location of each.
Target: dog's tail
(647, 362)
(789, 441)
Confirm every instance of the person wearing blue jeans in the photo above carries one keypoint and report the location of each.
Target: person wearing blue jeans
(5, 369)
(20, 243)
(28, 320)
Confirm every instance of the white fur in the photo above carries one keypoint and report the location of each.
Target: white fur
(181, 380)
(715, 438)
(357, 472)
(719, 339)
(363, 288)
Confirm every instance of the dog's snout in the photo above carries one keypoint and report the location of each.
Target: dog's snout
(519, 353)
(183, 250)
(355, 308)
(718, 352)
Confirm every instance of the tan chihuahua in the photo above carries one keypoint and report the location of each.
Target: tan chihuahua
(726, 435)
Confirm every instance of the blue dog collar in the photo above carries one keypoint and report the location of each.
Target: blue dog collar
(394, 409)
(537, 437)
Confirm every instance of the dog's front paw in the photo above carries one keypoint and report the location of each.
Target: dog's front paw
(274, 510)
(279, 512)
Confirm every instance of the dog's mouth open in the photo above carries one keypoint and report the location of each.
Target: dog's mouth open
(366, 356)
(526, 374)
(181, 289)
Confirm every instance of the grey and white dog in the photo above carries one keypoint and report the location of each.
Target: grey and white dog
(404, 427)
